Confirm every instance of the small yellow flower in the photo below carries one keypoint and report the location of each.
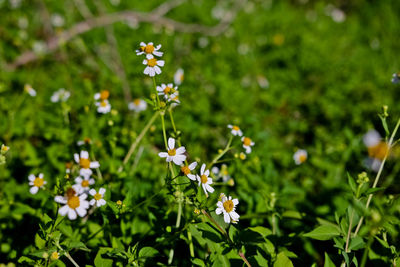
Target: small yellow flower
(55, 255)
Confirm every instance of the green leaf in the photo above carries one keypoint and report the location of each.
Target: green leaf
(76, 245)
(99, 261)
(293, 214)
(147, 252)
(39, 242)
(356, 243)
(260, 259)
(283, 261)
(374, 190)
(352, 183)
(323, 232)
(328, 261)
(261, 230)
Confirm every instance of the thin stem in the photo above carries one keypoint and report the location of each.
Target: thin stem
(222, 152)
(164, 131)
(349, 231)
(365, 254)
(137, 141)
(378, 174)
(191, 248)
(172, 120)
(71, 259)
(155, 89)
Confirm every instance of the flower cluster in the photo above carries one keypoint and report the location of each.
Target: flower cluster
(247, 143)
(75, 201)
(152, 64)
(103, 106)
(61, 95)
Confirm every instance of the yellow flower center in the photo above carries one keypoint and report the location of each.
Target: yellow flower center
(87, 140)
(235, 128)
(104, 94)
(55, 255)
(379, 151)
(228, 205)
(148, 48)
(84, 163)
(152, 62)
(97, 196)
(302, 158)
(203, 179)
(103, 104)
(85, 183)
(119, 202)
(73, 202)
(136, 101)
(38, 182)
(172, 152)
(247, 141)
(185, 170)
(167, 90)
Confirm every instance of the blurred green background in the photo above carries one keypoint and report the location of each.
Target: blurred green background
(292, 74)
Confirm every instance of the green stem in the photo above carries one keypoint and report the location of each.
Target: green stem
(164, 131)
(137, 141)
(349, 231)
(191, 248)
(378, 174)
(228, 146)
(172, 120)
(365, 254)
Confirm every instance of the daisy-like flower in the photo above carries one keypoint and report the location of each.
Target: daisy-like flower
(74, 204)
(149, 49)
(300, 156)
(36, 182)
(103, 95)
(227, 206)
(167, 90)
(68, 167)
(97, 197)
(28, 88)
(223, 173)
(377, 148)
(175, 99)
(175, 155)
(204, 180)
(4, 149)
(235, 130)
(137, 105)
(82, 184)
(61, 95)
(55, 255)
(153, 65)
(396, 78)
(85, 141)
(85, 163)
(178, 76)
(186, 169)
(247, 144)
(103, 106)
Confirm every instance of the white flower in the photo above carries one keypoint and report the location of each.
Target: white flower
(28, 88)
(60, 95)
(137, 105)
(149, 50)
(247, 144)
(371, 138)
(57, 20)
(175, 155)
(300, 156)
(204, 180)
(36, 183)
(82, 184)
(235, 130)
(186, 170)
(178, 76)
(73, 204)
(97, 197)
(168, 91)
(227, 206)
(153, 65)
(103, 106)
(103, 95)
(4, 149)
(85, 163)
(223, 173)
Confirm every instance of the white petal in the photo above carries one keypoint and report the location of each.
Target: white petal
(91, 181)
(209, 188)
(85, 172)
(92, 192)
(149, 56)
(78, 180)
(81, 211)
(202, 168)
(169, 158)
(163, 154)
(92, 202)
(41, 175)
(230, 126)
(152, 72)
(101, 202)
(34, 190)
(76, 157)
(96, 96)
(94, 164)
(144, 62)
(60, 199)
(207, 173)
(157, 69)
(31, 177)
(146, 70)
(158, 54)
(227, 219)
(192, 177)
(71, 214)
(82, 197)
(171, 143)
(181, 150)
(235, 201)
(180, 157)
(84, 154)
(234, 215)
(161, 63)
(84, 204)
(63, 210)
(102, 191)
(218, 211)
(177, 160)
(192, 165)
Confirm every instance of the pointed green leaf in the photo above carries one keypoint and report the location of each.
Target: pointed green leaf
(323, 232)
